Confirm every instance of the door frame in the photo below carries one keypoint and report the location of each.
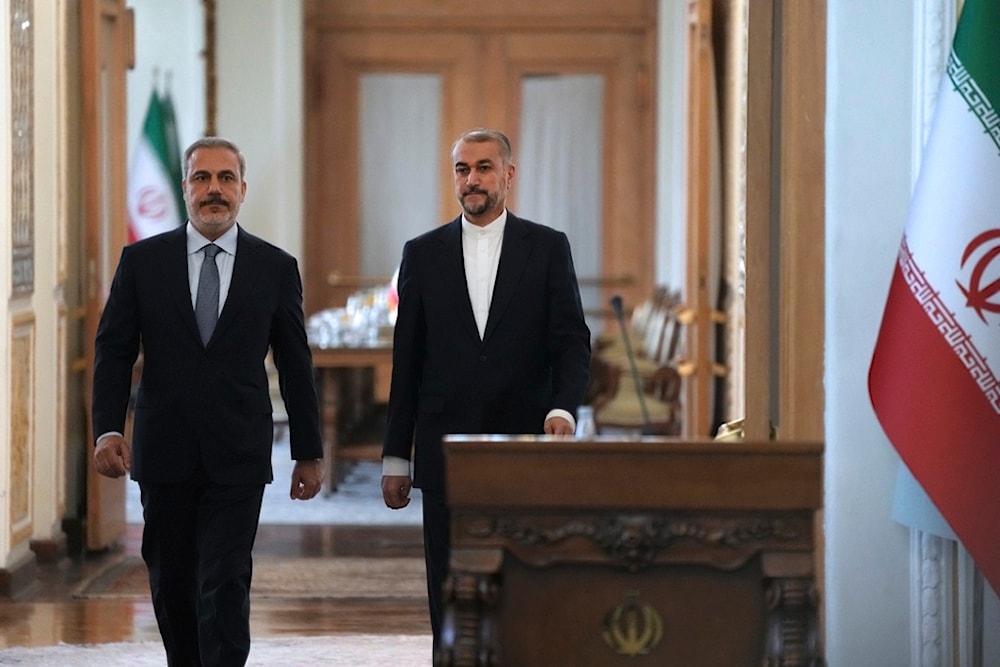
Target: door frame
(107, 52)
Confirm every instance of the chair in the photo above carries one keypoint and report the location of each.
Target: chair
(623, 411)
(654, 334)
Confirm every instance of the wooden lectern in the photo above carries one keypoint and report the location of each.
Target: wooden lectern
(631, 551)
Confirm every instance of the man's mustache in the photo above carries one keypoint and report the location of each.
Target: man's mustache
(474, 191)
(215, 200)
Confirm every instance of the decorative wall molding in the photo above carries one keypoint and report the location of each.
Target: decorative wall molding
(935, 22)
(21, 436)
(930, 585)
(22, 70)
(932, 559)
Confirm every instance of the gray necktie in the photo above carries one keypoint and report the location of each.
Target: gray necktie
(206, 304)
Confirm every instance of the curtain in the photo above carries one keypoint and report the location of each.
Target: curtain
(559, 166)
(400, 121)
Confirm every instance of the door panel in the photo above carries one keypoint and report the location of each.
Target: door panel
(400, 117)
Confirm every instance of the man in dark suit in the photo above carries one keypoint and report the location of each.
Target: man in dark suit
(490, 338)
(201, 445)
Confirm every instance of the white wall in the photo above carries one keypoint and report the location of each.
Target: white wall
(259, 57)
(868, 148)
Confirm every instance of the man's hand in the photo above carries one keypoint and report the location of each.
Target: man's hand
(396, 490)
(307, 479)
(113, 456)
(557, 426)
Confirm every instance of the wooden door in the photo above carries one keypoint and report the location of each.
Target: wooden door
(482, 55)
(107, 52)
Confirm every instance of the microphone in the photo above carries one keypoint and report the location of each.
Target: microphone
(616, 305)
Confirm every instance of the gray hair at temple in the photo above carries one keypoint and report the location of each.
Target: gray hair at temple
(482, 135)
(215, 142)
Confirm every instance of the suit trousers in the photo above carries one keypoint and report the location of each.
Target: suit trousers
(197, 542)
(437, 550)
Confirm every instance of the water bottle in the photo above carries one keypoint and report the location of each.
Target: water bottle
(585, 425)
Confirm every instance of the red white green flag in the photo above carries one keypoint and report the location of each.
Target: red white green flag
(153, 206)
(173, 146)
(934, 373)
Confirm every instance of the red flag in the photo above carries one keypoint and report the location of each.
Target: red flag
(934, 374)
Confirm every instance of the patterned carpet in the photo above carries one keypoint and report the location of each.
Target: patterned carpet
(329, 651)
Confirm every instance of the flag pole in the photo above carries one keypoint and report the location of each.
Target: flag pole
(977, 617)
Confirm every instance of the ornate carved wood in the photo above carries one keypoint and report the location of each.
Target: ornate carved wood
(792, 634)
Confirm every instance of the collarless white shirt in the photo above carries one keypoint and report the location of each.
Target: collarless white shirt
(481, 252)
(224, 260)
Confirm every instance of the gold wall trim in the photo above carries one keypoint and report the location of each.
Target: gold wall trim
(22, 431)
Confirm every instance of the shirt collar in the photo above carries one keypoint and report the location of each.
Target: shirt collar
(492, 229)
(195, 241)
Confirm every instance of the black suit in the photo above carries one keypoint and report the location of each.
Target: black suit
(533, 357)
(201, 446)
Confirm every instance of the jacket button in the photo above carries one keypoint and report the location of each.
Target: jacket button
(482, 357)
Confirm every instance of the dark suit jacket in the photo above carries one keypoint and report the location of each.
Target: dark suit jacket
(533, 357)
(197, 403)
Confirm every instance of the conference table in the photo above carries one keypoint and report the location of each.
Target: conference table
(344, 380)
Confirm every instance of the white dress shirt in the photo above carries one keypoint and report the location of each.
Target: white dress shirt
(224, 260)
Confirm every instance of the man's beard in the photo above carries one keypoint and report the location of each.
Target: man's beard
(489, 201)
(202, 215)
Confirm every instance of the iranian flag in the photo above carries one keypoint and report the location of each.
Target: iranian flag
(173, 146)
(934, 373)
(152, 203)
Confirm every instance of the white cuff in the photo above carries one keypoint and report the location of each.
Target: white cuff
(556, 412)
(393, 466)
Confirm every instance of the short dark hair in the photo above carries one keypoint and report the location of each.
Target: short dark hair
(482, 135)
(215, 142)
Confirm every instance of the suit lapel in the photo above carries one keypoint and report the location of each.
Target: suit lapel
(175, 273)
(456, 284)
(241, 284)
(513, 256)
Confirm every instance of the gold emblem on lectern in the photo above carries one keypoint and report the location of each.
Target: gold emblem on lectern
(632, 628)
